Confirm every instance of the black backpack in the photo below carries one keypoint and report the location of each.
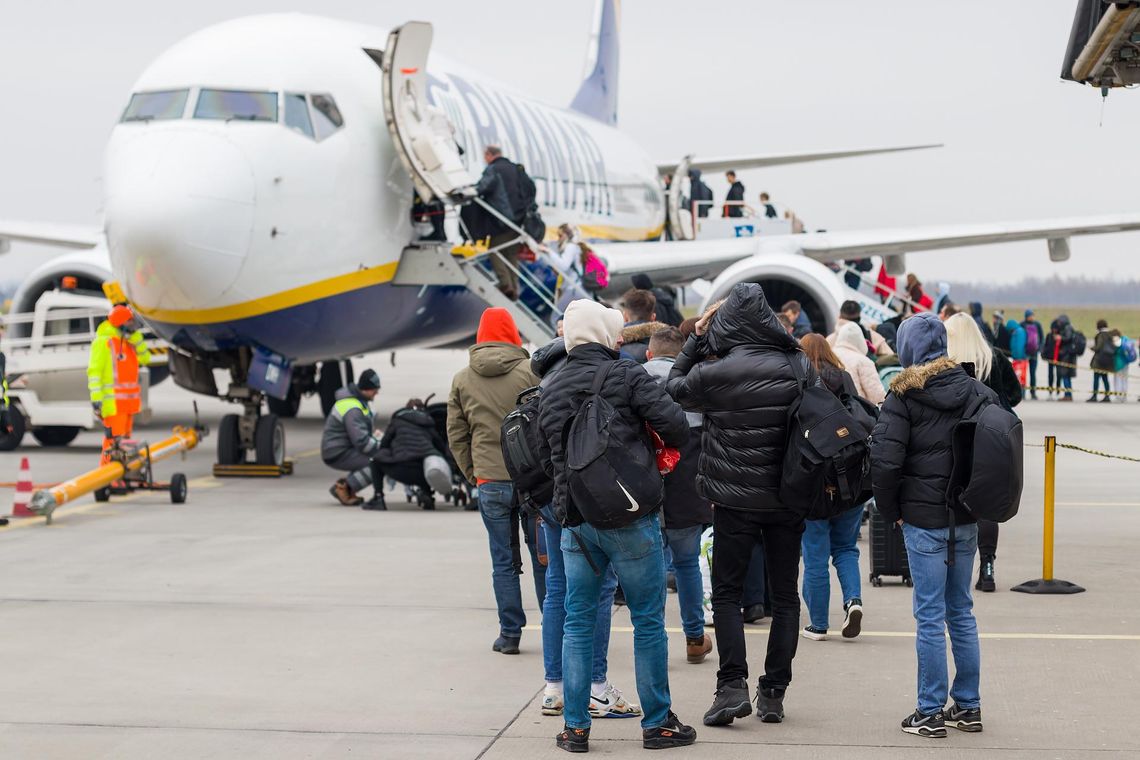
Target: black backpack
(1080, 343)
(827, 461)
(527, 208)
(987, 474)
(611, 470)
(520, 441)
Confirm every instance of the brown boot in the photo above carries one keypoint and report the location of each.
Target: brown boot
(698, 649)
(342, 493)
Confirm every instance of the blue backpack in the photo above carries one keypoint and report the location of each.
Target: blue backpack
(1128, 349)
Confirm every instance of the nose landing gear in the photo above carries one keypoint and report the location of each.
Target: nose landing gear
(263, 435)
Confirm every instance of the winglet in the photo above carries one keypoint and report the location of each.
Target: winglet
(598, 93)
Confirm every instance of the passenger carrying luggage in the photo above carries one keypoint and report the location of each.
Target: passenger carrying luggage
(827, 461)
(888, 550)
(610, 469)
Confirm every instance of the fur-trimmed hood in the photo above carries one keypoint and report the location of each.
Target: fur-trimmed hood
(641, 332)
(941, 384)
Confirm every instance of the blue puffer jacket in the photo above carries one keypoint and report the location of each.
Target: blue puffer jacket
(1017, 339)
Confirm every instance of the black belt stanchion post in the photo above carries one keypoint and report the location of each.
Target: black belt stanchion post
(1047, 584)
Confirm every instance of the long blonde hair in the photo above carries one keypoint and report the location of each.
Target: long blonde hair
(964, 343)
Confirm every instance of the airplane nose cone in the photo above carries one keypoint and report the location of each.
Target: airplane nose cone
(179, 217)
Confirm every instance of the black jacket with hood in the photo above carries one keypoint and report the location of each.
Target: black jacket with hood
(744, 394)
(634, 395)
(410, 436)
(911, 457)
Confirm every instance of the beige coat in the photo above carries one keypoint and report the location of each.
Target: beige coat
(850, 347)
(481, 396)
(882, 348)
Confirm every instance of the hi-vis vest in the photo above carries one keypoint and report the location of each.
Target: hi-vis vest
(113, 370)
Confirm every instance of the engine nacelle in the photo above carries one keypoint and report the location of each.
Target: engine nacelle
(90, 269)
(787, 277)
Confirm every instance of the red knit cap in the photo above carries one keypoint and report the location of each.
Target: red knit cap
(497, 326)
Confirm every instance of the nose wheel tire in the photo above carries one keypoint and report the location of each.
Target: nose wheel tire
(269, 440)
(229, 441)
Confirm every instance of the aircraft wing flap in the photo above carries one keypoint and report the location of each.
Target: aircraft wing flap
(48, 233)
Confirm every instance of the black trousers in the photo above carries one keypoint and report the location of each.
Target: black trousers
(409, 473)
(735, 532)
(987, 538)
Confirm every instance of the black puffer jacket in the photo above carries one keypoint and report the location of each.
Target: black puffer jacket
(546, 361)
(410, 436)
(744, 395)
(633, 393)
(911, 459)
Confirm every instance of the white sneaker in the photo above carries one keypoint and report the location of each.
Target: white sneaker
(611, 704)
(551, 702)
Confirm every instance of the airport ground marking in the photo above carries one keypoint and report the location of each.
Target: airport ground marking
(763, 631)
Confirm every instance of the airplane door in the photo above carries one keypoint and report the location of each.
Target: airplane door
(680, 220)
(421, 132)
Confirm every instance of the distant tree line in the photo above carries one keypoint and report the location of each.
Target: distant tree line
(1051, 291)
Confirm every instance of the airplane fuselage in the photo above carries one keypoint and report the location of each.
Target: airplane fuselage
(239, 212)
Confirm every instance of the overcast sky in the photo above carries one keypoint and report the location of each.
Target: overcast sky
(711, 77)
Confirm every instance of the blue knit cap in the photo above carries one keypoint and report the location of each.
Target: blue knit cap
(921, 339)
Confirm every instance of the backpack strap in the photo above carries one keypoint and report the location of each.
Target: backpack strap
(600, 379)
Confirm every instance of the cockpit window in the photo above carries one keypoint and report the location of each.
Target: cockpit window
(297, 113)
(166, 104)
(326, 116)
(239, 105)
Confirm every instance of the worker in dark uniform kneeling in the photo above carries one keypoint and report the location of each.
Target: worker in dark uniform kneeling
(410, 438)
(350, 440)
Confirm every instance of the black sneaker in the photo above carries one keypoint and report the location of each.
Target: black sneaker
(770, 705)
(753, 613)
(929, 726)
(376, 503)
(573, 739)
(986, 580)
(730, 702)
(964, 719)
(619, 597)
(853, 618)
(671, 582)
(671, 733)
(506, 645)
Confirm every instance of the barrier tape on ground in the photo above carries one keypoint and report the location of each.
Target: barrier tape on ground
(1064, 390)
(1070, 365)
(1083, 450)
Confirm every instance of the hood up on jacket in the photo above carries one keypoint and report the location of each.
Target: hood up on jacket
(976, 309)
(416, 417)
(745, 318)
(498, 326)
(587, 321)
(921, 339)
(495, 359)
(939, 384)
(850, 336)
(1012, 325)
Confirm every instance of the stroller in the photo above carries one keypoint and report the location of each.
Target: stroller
(462, 493)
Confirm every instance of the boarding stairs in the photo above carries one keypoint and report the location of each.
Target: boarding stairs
(428, 263)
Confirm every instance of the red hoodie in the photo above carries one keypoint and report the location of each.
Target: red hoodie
(497, 326)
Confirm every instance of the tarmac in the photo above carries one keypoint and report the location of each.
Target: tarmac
(260, 620)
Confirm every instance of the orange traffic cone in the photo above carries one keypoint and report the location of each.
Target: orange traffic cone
(23, 492)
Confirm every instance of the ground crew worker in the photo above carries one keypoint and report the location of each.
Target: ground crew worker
(350, 441)
(5, 423)
(113, 375)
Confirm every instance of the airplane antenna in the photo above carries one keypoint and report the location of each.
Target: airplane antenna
(1103, 103)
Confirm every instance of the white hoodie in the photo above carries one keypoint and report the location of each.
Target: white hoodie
(851, 348)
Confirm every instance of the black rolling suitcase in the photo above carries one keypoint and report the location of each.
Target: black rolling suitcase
(888, 551)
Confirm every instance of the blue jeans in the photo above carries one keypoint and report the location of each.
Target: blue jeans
(495, 506)
(685, 544)
(942, 602)
(1099, 377)
(554, 609)
(636, 554)
(1067, 384)
(834, 538)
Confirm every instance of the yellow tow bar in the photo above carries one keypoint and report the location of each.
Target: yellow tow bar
(129, 461)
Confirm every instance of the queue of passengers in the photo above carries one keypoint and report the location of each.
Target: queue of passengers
(720, 397)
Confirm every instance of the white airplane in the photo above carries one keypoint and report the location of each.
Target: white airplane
(258, 193)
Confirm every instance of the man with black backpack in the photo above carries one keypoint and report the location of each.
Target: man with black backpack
(913, 471)
(746, 395)
(607, 494)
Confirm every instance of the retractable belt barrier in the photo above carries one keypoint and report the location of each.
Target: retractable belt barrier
(1047, 584)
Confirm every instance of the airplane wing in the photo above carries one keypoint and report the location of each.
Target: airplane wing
(776, 159)
(684, 261)
(49, 233)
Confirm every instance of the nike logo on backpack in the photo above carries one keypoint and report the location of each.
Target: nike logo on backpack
(634, 506)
